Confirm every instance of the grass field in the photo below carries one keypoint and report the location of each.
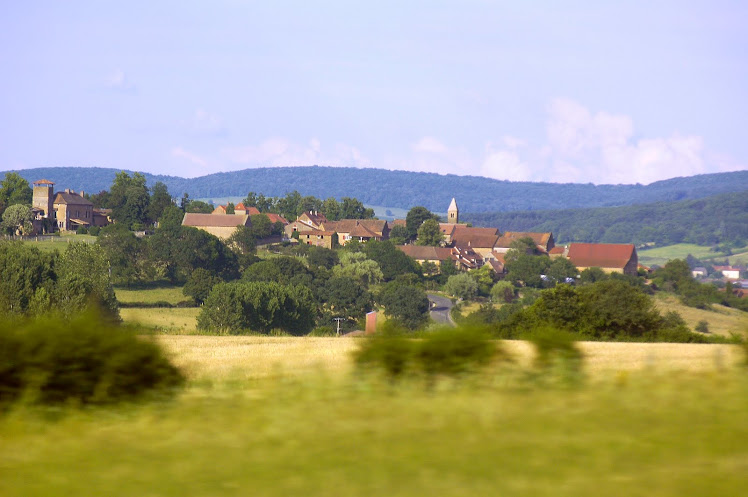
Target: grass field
(721, 320)
(289, 416)
(661, 255)
(59, 242)
(171, 294)
(182, 320)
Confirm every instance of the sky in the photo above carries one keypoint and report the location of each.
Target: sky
(583, 92)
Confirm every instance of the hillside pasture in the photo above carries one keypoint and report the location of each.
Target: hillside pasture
(50, 243)
(661, 255)
(722, 320)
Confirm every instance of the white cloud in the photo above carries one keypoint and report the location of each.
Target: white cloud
(599, 148)
(504, 164)
(278, 152)
(117, 80)
(430, 145)
(197, 166)
(206, 123)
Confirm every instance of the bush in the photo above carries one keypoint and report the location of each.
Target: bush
(86, 361)
(556, 352)
(453, 352)
(94, 230)
(389, 351)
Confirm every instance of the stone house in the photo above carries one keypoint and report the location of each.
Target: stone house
(318, 238)
(543, 241)
(221, 226)
(361, 230)
(72, 211)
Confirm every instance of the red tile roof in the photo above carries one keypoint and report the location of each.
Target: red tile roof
(603, 255)
(43, 182)
(541, 239)
(426, 253)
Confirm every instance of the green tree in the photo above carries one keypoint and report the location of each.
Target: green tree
(160, 200)
(430, 234)
(415, 218)
(392, 261)
(124, 251)
(258, 306)
(398, 234)
(503, 291)
(14, 189)
(357, 266)
(129, 199)
(408, 305)
(614, 308)
(462, 286)
(83, 278)
(526, 269)
(18, 217)
(24, 270)
(199, 284)
(324, 257)
(346, 298)
(560, 269)
(199, 207)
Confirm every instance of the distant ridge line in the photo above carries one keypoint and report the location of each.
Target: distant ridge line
(404, 189)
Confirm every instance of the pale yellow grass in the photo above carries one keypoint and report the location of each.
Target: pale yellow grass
(233, 357)
(228, 357)
(722, 320)
(172, 295)
(174, 319)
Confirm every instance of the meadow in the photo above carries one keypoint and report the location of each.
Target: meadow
(661, 255)
(291, 416)
(48, 244)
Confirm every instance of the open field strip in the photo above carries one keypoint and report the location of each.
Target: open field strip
(171, 294)
(660, 255)
(181, 320)
(722, 320)
(225, 357)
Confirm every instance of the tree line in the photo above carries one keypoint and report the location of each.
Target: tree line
(712, 220)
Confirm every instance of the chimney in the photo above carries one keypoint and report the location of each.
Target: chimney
(67, 190)
(81, 194)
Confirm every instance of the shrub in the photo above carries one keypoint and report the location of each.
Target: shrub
(556, 352)
(453, 352)
(702, 327)
(94, 230)
(389, 351)
(85, 360)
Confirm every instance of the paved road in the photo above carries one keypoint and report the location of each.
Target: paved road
(440, 307)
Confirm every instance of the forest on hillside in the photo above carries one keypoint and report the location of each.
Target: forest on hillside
(402, 189)
(712, 220)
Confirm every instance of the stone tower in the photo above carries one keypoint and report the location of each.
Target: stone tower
(43, 197)
(453, 213)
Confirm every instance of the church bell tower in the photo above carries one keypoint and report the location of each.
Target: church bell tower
(453, 213)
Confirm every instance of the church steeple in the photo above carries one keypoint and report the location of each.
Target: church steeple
(453, 213)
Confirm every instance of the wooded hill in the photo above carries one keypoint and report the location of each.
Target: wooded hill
(403, 189)
(711, 220)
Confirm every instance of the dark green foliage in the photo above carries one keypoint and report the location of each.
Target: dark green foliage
(23, 270)
(391, 260)
(614, 309)
(429, 234)
(85, 360)
(199, 284)
(702, 327)
(388, 351)
(14, 189)
(160, 200)
(447, 351)
(322, 257)
(415, 218)
(556, 352)
(83, 279)
(453, 352)
(179, 250)
(129, 200)
(344, 297)
(715, 219)
(124, 251)
(526, 270)
(199, 207)
(258, 306)
(407, 305)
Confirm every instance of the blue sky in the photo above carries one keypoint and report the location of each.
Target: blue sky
(538, 91)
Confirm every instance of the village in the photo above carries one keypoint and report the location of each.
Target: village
(466, 247)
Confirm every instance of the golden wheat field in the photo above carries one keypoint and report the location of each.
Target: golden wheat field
(221, 357)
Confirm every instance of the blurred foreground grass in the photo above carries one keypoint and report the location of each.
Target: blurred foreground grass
(279, 416)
